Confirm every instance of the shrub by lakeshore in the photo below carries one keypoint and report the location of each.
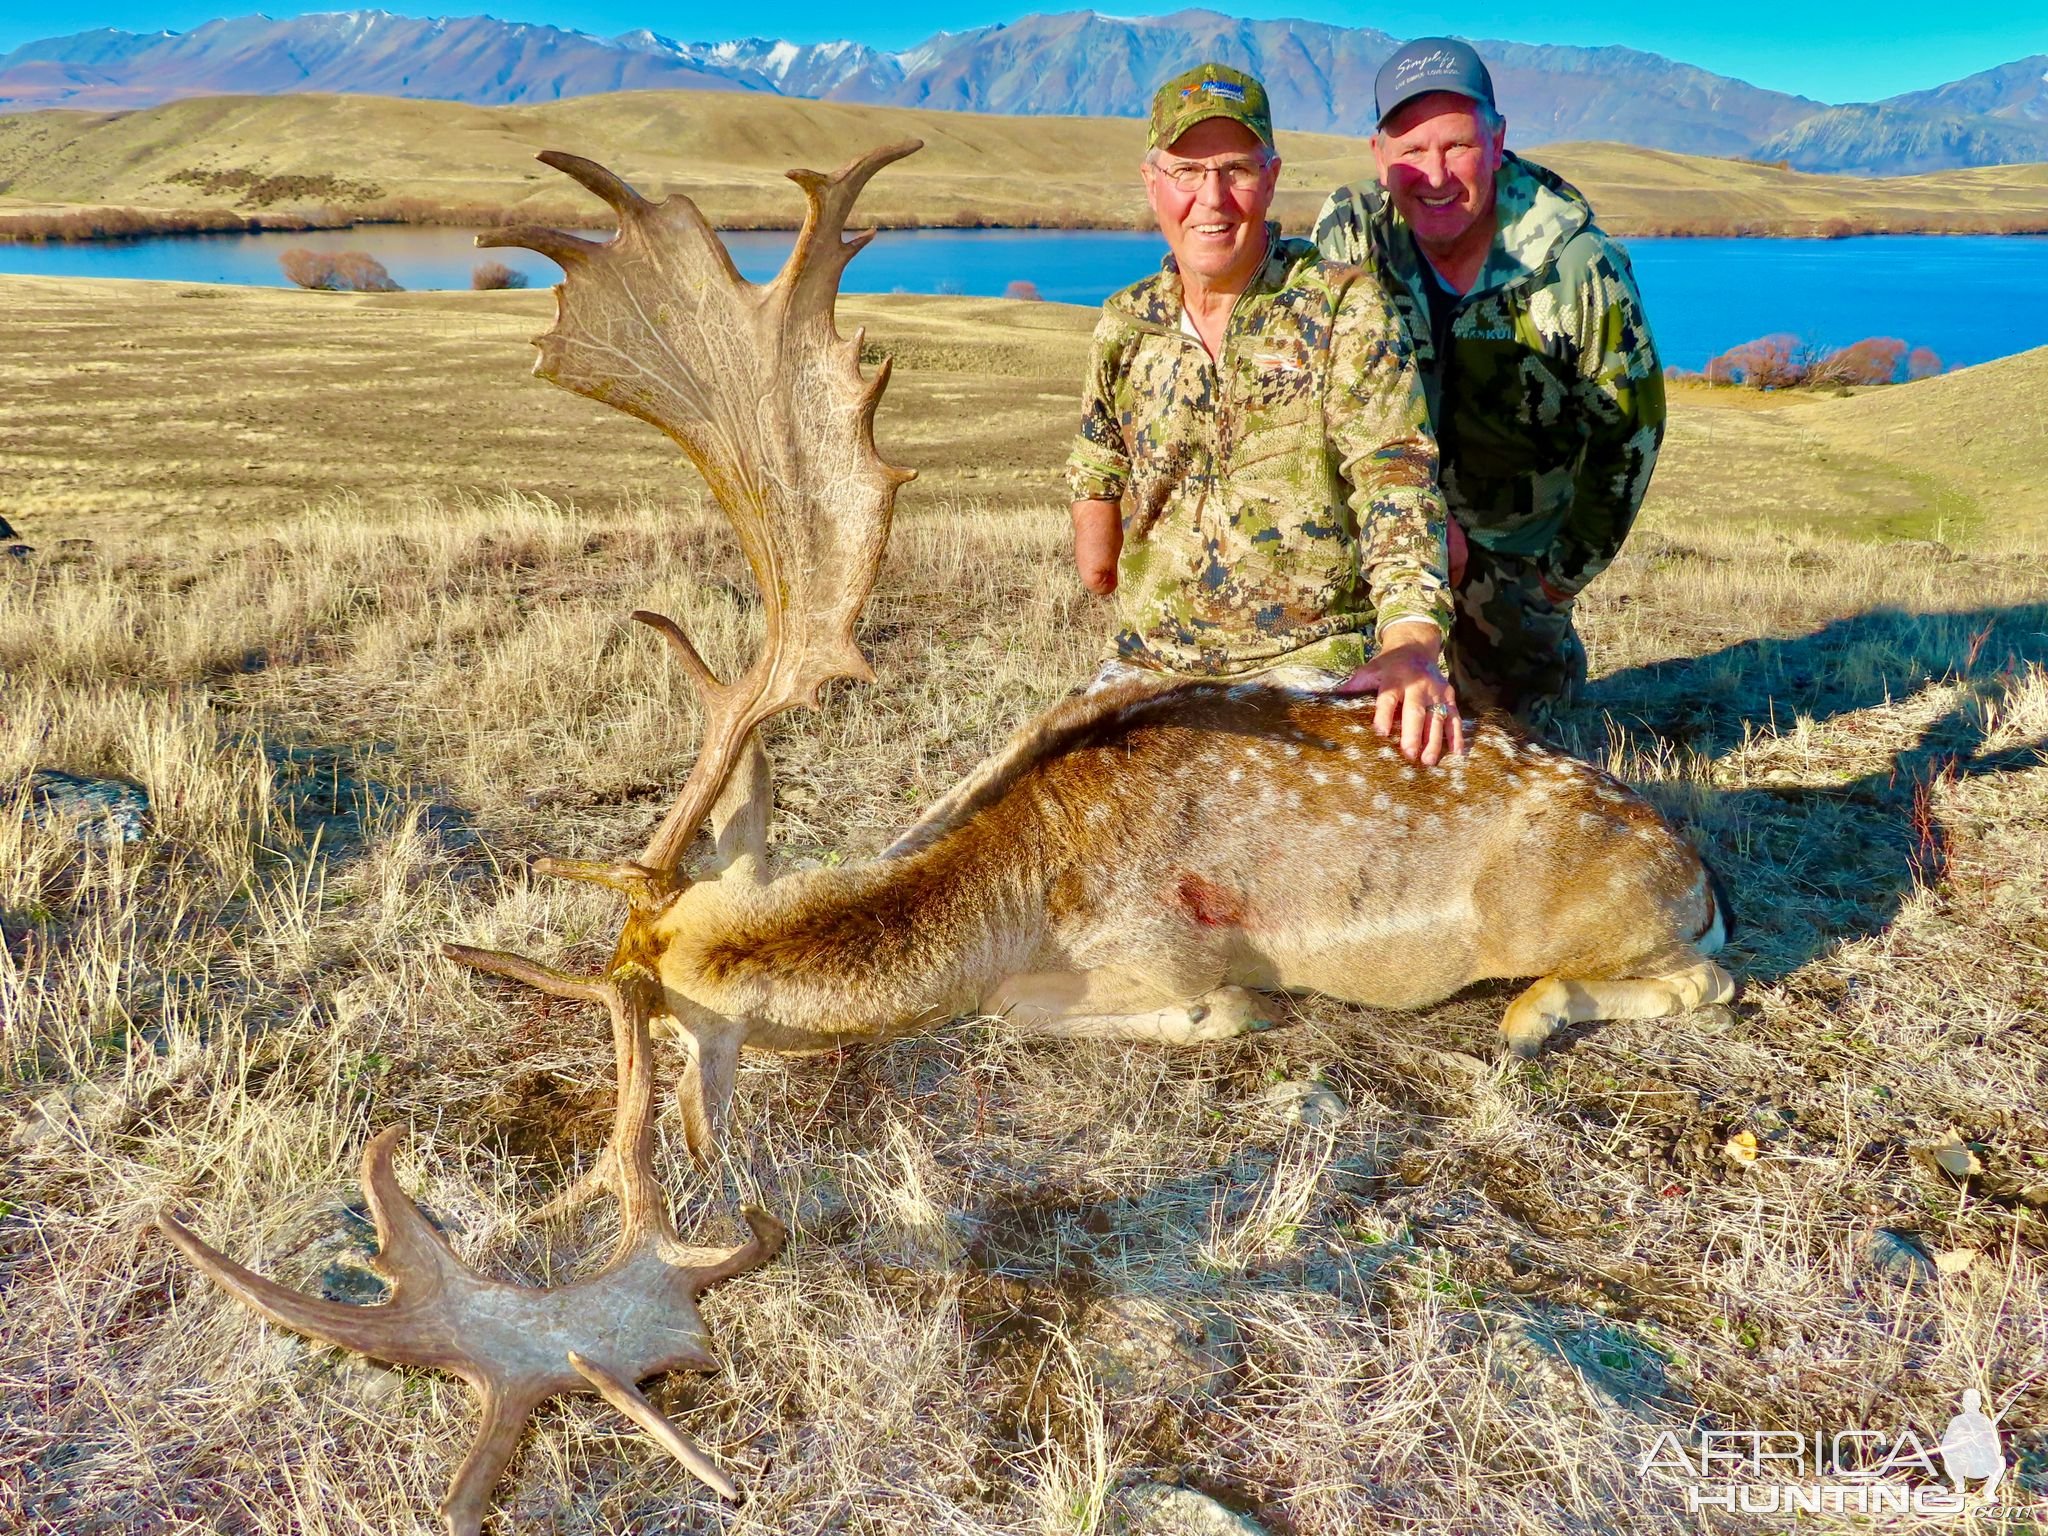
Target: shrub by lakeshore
(338, 271)
(135, 223)
(495, 274)
(1784, 361)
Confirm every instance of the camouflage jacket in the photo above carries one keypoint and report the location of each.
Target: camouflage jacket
(1280, 502)
(1549, 407)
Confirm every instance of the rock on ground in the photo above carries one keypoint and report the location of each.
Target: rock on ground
(101, 811)
(1158, 1509)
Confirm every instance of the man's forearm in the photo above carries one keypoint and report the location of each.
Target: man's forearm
(1098, 541)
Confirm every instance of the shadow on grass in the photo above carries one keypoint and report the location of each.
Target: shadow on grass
(1811, 866)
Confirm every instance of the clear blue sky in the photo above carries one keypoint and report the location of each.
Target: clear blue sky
(1836, 50)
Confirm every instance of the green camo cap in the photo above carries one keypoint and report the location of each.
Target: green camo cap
(1206, 91)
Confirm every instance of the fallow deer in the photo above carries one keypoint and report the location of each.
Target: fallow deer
(1140, 862)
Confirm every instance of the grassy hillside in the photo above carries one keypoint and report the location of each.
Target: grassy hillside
(1990, 462)
(292, 569)
(137, 404)
(381, 156)
(729, 151)
(1647, 191)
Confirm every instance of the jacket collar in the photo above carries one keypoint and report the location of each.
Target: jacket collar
(1157, 299)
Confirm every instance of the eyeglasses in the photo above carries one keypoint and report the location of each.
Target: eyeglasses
(1193, 175)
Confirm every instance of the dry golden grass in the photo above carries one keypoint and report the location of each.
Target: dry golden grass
(366, 673)
(448, 162)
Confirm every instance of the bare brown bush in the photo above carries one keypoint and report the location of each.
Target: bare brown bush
(337, 271)
(1769, 362)
(1873, 360)
(124, 224)
(1785, 362)
(495, 274)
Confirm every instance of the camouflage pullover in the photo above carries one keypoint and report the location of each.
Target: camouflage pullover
(1280, 501)
(1549, 405)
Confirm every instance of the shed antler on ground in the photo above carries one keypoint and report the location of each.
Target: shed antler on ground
(769, 402)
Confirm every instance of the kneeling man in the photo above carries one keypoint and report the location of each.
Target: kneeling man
(1544, 387)
(1254, 477)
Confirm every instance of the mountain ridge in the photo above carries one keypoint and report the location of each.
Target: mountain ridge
(1069, 63)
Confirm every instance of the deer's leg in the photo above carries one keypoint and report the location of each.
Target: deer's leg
(1556, 1001)
(1121, 1005)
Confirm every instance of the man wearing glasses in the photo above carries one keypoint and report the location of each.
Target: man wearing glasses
(1544, 386)
(1254, 477)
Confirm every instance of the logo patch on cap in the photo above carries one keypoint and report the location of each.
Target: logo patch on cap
(1421, 66)
(1229, 90)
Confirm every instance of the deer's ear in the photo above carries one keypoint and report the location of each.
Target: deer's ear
(739, 821)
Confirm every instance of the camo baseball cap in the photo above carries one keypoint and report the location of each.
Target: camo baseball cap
(1206, 91)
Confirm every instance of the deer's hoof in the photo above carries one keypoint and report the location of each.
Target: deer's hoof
(1528, 1039)
(1713, 1019)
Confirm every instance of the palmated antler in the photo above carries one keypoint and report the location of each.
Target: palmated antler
(768, 400)
(519, 1345)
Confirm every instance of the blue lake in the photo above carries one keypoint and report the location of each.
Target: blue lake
(1969, 297)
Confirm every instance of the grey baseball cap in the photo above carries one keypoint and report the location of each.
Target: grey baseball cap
(1431, 64)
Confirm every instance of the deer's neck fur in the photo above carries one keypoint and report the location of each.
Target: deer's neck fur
(820, 956)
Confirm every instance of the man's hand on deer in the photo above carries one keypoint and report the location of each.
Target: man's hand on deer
(1414, 696)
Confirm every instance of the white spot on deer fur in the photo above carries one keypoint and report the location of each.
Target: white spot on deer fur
(1432, 823)
(1381, 801)
(1401, 813)
(1355, 728)
(1408, 772)
(1588, 822)
(1357, 778)
(1514, 779)
(1316, 775)
(1388, 752)
(1236, 775)
(1346, 819)
(1256, 754)
(1293, 749)
(1353, 754)
(1293, 801)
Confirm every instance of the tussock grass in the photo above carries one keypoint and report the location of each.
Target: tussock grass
(1466, 1304)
